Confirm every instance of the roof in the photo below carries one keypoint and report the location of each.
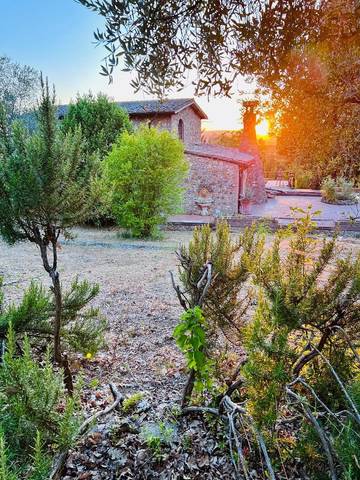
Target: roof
(217, 152)
(148, 107)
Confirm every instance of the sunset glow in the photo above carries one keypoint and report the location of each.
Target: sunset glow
(262, 128)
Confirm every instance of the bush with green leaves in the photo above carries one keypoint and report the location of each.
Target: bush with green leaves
(143, 176)
(338, 191)
(100, 119)
(45, 190)
(37, 418)
(158, 437)
(190, 335)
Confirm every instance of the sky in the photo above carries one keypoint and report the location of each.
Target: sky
(56, 37)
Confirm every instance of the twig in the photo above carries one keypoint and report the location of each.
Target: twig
(346, 336)
(230, 404)
(213, 411)
(117, 399)
(233, 433)
(178, 292)
(207, 285)
(322, 435)
(318, 399)
(60, 460)
(348, 397)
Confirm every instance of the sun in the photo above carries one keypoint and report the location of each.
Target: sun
(262, 128)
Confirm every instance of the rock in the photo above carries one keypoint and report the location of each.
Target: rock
(141, 457)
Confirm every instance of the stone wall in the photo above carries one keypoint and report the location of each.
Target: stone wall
(214, 183)
(192, 125)
(162, 122)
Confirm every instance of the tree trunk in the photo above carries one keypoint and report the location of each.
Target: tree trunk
(60, 359)
(188, 389)
(58, 314)
(56, 289)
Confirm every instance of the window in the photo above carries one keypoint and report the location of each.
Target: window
(181, 129)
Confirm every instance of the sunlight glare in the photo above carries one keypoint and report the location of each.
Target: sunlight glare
(262, 128)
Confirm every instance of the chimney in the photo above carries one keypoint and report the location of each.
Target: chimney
(249, 120)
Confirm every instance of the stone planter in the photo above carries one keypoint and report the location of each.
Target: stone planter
(245, 206)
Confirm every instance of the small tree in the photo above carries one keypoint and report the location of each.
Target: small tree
(144, 173)
(44, 191)
(19, 85)
(100, 119)
(213, 271)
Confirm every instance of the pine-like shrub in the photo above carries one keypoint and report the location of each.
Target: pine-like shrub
(227, 300)
(82, 327)
(305, 297)
(45, 189)
(214, 271)
(37, 418)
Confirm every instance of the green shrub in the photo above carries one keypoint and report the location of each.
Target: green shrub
(144, 174)
(158, 436)
(130, 402)
(303, 294)
(221, 311)
(304, 179)
(37, 418)
(339, 190)
(100, 119)
(225, 302)
(328, 190)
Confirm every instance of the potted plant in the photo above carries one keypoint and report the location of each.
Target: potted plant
(245, 200)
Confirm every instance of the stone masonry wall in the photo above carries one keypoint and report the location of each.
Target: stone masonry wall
(162, 122)
(212, 181)
(192, 125)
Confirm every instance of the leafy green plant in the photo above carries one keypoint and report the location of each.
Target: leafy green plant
(100, 119)
(190, 336)
(143, 176)
(158, 436)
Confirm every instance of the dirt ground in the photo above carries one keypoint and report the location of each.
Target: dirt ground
(135, 296)
(139, 303)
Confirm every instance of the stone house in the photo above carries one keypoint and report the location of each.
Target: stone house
(219, 176)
